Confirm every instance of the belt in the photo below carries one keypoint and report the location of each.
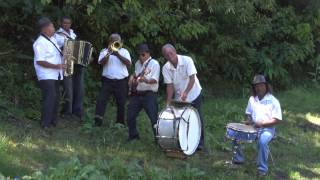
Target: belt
(144, 93)
(113, 80)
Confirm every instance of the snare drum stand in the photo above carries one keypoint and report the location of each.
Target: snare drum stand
(235, 149)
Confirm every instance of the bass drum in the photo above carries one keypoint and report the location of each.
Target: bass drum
(179, 128)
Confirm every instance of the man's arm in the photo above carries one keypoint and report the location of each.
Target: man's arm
(267, 123)
(147, 81)
(248, 119)
(189, 87)
(170, 91)
(155, 73)
(104, 60)
(124, 60)
(46, 64)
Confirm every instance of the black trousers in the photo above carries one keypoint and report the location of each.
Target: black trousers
(148, 102)
(73, 92)
(197, 104)
(50, 102)
(118, 88)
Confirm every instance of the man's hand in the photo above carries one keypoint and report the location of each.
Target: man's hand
(141, 79)
(116, 53)
(246, 122)
(184, 96)
(258, 124)
(61, 66)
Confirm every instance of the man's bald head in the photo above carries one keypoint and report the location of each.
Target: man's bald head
(168, 46)
(169, 52)
(114, 37)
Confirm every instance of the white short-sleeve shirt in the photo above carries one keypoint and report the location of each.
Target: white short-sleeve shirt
(61, 35)
(180, 77)
(115, 69)
(44, 50)
(264, 109)
(152, 72)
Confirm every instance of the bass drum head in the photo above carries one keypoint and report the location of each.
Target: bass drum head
(189, 134)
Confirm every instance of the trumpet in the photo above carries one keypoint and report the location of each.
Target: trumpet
(115, 46)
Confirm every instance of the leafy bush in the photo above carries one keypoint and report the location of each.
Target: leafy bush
(232, 39)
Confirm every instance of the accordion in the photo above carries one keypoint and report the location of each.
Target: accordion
(76, 52)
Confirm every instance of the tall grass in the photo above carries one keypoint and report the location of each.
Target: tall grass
(82, 151)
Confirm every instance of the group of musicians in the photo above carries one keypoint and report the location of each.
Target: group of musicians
(179, 74)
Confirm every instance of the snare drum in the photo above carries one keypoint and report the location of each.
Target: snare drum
(241, 132)
(179, 128)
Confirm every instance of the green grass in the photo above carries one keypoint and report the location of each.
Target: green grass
(77, 151)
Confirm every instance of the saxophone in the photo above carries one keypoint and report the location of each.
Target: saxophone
(68, 57)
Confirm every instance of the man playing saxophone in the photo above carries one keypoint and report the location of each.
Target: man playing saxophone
(73, 85)
(115, 61)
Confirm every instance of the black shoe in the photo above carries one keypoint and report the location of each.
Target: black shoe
(77, 118)
(65, 115)
(53, 124)
(200, 148)
(44, 127)
(237, 162)
(131, 138)
(98, 123)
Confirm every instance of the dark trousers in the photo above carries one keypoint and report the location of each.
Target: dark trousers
(148, 102)
(197, 104)
(73, 92)
(118, 88)
(50, 102)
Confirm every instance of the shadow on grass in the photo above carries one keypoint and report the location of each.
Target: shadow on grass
(307, 173)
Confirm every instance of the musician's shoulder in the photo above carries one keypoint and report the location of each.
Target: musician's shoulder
(154, 61)
(104, 49)
(124, 50)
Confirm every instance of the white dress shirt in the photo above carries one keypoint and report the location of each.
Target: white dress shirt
(264, 109)
(44, 50)
(61, 35)
(114, 68)
(152, 72)
(180, 77)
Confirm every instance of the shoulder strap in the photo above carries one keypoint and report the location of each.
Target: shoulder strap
(66, 35)
(53, 44)
(145, 67)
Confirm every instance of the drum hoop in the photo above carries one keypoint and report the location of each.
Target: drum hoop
(241, 130)
(244, 131)
(200, 125)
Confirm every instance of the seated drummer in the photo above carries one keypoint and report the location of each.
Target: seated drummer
(264, 112)
(180, 76)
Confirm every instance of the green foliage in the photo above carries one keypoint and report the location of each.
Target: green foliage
(233, 38)
(17, 78)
